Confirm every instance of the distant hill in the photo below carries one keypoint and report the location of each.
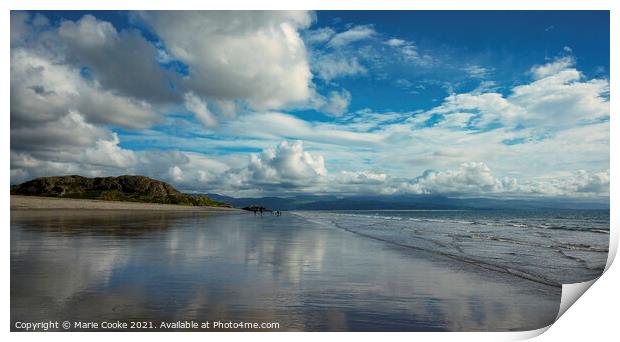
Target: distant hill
(407, 202)
(122, 188)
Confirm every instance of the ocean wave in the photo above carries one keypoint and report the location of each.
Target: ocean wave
(459, 243)
(516, 224)
(477, 262)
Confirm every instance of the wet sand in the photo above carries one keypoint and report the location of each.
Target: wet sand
(34, 202)
(170, 266)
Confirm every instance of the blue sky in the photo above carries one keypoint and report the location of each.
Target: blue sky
(460, 103)
(509, 43)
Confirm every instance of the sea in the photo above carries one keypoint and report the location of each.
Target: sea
(552, 247)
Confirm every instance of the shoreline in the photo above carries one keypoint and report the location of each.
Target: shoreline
(477, 263)
(46, 203)
(261, 269)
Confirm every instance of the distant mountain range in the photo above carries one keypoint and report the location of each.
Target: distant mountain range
(404, 202)
(144, 189)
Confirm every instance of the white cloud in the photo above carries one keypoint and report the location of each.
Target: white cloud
(42, 90)
(254, 56)
(107, 153)
(275, 127)
(62, 116)
(89, 32)
(409, 52)
(470, 178)
(477, 71)
(562, 99)
(320, 35)
(175, 173)
(556, 101)
(395, 42)
(337, 103)
(199, 107)
(97, 45)
(585, 182)
(226, 109)
(288, 167)
(486, 108)
(332, 66)
(354, 34)
(549, 69)
(68, 134)
(580, 183)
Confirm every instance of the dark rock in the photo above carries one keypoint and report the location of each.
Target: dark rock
(256, 208)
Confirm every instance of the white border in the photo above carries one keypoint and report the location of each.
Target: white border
(594, 316)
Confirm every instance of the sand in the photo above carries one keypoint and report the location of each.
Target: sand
(167, 266)
(33, 202)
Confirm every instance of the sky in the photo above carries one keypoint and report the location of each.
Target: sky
(503, 104)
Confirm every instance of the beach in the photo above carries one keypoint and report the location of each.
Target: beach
(232, 266)
(48, 203)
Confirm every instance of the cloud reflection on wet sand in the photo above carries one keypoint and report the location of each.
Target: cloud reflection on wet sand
(234, 266)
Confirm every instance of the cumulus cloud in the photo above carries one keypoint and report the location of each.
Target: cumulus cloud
(579, 183)
(552, 68)
(97, 45)
(596, 182)
(254, 56)
(288, 167)
(472, 178)
(74, 84)
(483, 108)
(42, 90)
(69, 134)
(107, 153)
(560, 99)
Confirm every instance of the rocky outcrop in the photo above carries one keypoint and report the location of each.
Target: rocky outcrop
(122, 188)
(256, 208)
